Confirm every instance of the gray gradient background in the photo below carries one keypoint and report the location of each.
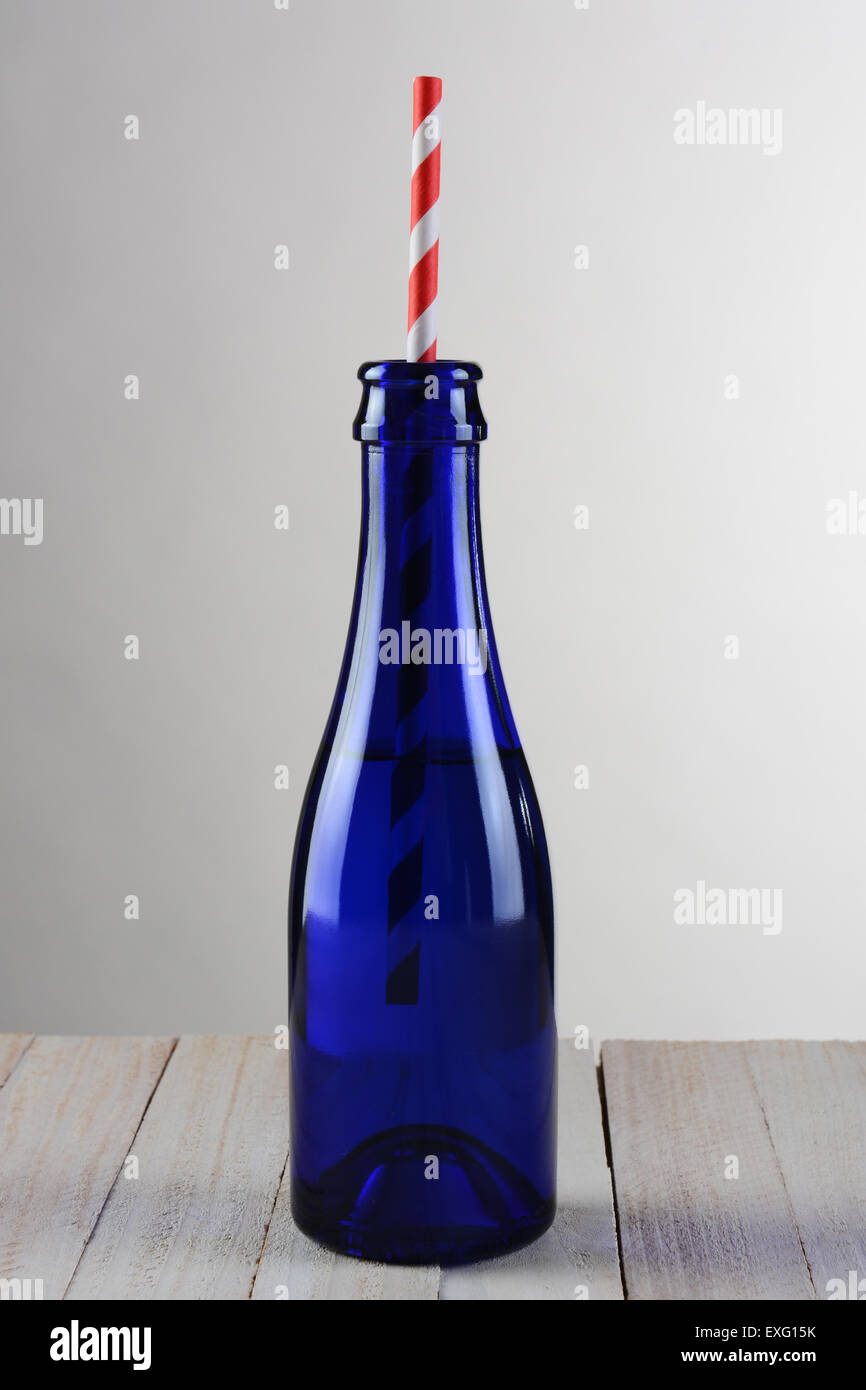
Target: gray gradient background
(602, 387)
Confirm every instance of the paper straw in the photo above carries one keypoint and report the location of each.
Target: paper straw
(408, 775)
(424, 221)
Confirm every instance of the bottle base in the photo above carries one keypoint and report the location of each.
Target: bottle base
(421, 1195)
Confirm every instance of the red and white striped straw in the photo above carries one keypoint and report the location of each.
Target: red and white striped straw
(424, 221)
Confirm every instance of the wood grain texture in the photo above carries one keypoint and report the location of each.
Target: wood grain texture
(12, 1049)
(676, 1113)
(813, 1095)
(578, 1256)
(68, 1113)
(209, 1217)
(211, 1151)
(294, 1267)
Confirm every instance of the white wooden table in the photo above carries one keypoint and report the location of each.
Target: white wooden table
(739, 1171)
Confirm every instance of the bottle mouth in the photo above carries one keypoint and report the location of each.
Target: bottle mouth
(394, 371)
(419, 403)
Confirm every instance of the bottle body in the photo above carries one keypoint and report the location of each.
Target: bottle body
(422, 1029)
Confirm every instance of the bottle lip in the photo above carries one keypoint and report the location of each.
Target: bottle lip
(395, 371)
(419, 403)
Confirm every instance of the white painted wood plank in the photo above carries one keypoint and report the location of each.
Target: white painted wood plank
(677, 1113)
(211, 1151)
(578, 1257)
(68, 1113)
(295, 1267)
(813, 1095)
(12, 1049)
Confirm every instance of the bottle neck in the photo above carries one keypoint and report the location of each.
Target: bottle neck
(422, 544)
(420, 653)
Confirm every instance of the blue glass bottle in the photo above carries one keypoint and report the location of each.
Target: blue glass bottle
(422, 1031)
